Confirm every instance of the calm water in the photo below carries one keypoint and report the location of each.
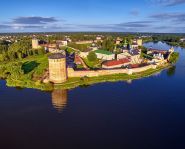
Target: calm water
(146, 113)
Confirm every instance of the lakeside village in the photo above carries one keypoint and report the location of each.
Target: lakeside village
(47, 62)
(64, 65)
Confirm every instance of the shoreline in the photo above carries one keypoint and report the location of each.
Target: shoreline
(86, 81)
(76, 82)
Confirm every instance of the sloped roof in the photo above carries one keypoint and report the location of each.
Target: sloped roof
(116, 62)
(103, 52)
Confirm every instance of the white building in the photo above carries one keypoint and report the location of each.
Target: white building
(122, 55)
(104, 55)
(64, 42)
(158, 56)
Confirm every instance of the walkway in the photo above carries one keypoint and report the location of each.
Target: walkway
(82, 62)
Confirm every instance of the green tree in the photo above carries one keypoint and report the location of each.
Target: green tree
(174, 57)
(99, 43)
(92, 56)
(108, 44)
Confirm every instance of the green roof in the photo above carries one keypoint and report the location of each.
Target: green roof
(103, 52)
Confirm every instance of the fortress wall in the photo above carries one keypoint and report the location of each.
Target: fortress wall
(140, 69)
(95, 73)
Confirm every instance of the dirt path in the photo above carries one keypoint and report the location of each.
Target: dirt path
(82, 62)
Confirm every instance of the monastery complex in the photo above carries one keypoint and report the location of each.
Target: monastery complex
(127, 61)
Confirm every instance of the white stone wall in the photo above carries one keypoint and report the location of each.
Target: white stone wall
(93, 73)
(121, 56)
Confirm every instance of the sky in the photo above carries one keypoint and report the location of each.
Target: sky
(160, 16)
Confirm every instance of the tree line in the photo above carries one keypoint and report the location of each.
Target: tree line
(18, 50)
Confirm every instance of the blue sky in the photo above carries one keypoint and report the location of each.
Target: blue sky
(93, 15)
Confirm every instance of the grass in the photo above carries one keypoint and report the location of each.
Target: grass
(34, 67)
(81, 47)
(29, 66)
(80, 66)
(92, 64)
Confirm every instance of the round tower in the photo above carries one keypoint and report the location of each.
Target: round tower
(57, 68)
(140, 42)
(35, 43)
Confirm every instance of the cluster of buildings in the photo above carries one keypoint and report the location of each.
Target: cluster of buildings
(129, 54)
(62, 64)
(59, 71)
(182, 40)
(52, 48)
(159, 56)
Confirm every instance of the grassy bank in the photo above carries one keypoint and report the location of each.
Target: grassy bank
(26, 73)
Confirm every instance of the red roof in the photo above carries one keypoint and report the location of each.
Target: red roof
(158, 50)
(135, 65)
(116, 62)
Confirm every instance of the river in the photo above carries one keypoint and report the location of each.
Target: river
(145, 113)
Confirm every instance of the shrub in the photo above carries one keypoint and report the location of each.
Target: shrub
(92, 56)
(174, 57)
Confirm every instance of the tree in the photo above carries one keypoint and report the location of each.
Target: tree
(143, 49)
(108, 44)
(92, 56)
(99, 43)
(174, 57)
(19, 49)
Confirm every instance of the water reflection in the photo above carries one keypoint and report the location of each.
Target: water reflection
(59, 99)
(157, 74)
(129, 81)
(171, 71)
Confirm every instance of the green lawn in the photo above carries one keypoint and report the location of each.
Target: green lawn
(26, 72)
(93, 64)
(81, 47)
(80, 66)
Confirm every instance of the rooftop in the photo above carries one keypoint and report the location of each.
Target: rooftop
(134, 52)
(104, 52)
(158, 50)
(56, 56)
(116, 62)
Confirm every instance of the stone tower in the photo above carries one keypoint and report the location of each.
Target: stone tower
(35, 43)
(57, 68)
(139, 42)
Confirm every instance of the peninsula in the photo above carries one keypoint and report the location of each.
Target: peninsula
(50, 61)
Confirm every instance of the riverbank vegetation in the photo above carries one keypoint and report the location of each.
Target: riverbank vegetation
(173, 40)
(26, 72)
(174, 57)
